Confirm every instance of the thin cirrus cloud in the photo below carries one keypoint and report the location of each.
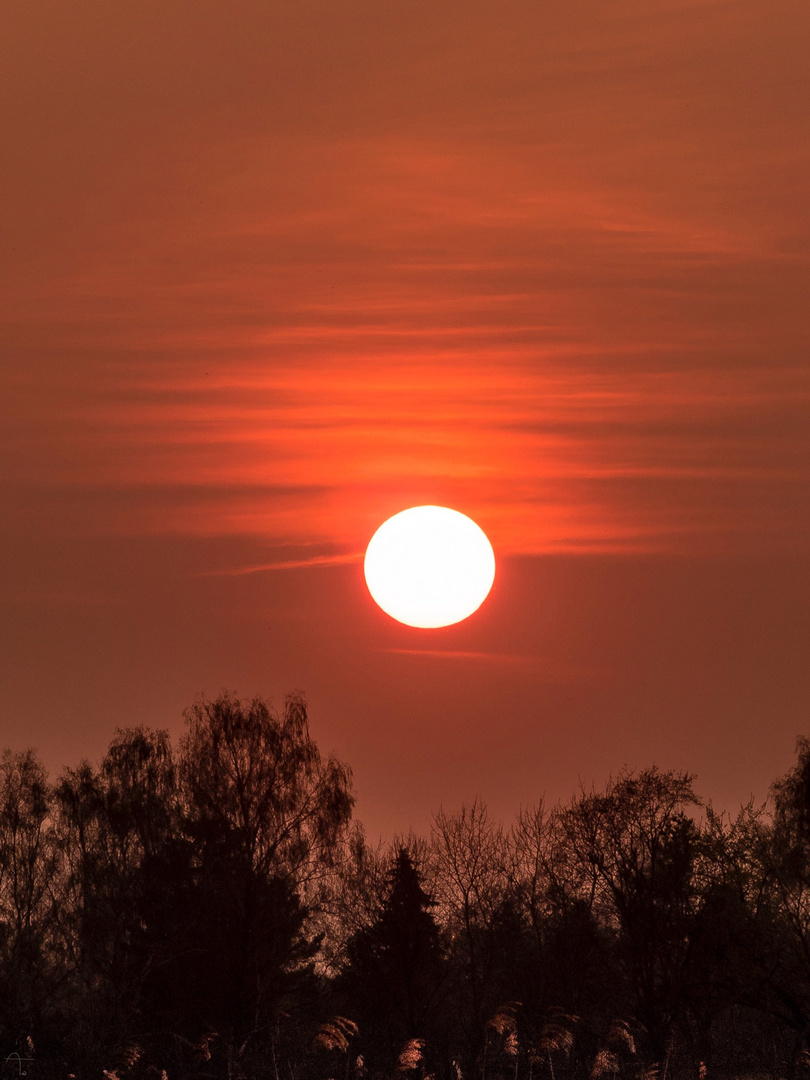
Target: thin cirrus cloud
(286, 564)
(564, 295)
(465, 655)
(637, 459)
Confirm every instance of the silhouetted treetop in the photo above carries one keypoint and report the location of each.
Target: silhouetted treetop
(258, 777)
(791, 796)
(396, 964)
(211, 909)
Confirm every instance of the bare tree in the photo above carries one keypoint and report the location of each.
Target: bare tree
(119, 833)
(267, 815)
(469, 852)
(259, 776)
(27, 865)
(636, 847)
(530, 864)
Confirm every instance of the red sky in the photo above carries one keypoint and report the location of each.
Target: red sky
(272, 271)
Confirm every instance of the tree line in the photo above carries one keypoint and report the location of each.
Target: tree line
(212, 909)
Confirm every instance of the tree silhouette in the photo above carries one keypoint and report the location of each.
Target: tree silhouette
(29, 968)
(264, 812)
(258, 778)
(188, 911)
(125, 862)
(395, 965)
(640, 847)
(785, 858)
(183, 878)
(469, 852)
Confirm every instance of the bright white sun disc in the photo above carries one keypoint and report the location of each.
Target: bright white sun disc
(429, 566)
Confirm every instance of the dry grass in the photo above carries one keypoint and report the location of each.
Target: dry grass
(335, 1034)
(410, 1056)
(619, 1035)
(605, 1061)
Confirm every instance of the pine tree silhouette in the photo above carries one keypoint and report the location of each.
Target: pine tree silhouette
(396, 965)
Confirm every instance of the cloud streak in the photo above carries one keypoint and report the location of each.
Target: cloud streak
(568, 299)
(286, 564)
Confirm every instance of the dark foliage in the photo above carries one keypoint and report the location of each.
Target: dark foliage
(210, 911)
(395, 966)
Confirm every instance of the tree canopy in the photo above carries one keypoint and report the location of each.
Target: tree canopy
(210, 907)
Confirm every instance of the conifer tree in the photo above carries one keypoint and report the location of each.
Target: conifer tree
(396, 964)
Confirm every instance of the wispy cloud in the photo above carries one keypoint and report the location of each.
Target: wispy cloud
(567, 298)
(460, 654)
(286, 564)
(539, 667)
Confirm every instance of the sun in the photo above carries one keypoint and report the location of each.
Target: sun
(429, 566)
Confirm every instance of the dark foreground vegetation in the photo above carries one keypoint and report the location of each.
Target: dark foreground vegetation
(211, 910)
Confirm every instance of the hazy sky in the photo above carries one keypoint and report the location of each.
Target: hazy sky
(273, 270)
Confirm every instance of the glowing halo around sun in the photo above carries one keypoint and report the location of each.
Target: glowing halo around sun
(429, 566)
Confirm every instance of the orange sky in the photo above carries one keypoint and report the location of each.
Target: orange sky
(273, 271)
